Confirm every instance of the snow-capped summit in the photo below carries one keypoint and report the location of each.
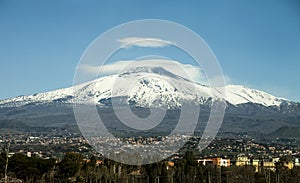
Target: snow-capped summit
(157, 70)
(145, 86)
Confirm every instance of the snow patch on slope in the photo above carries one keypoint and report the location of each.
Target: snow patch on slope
(237, 94)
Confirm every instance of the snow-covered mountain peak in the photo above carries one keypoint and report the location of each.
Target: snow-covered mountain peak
(146, 86)
(155, 70)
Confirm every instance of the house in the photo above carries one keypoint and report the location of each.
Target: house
(242, 160)
(297, 162)
(256, 163)
(221, 162)
(205, 161)
(289, 165)
(215, 161)
(269, 165)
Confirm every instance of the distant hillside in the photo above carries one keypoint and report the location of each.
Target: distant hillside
(287, 131)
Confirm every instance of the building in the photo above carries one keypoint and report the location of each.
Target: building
(205, 162)
(289, 165)
(297, 162)
(242, 160)
(215, 161)
(221, 162)
(256, 163)
(269, 165)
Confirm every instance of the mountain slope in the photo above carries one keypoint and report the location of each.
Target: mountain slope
(236, 94)
(147, 87)
(248, 111)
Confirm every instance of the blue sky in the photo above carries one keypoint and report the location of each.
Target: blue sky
(256, 42)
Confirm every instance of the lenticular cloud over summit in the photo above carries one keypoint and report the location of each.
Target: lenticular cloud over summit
(144, 42)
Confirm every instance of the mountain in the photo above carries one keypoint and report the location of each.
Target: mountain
(287, 131)
(151, 87)
(248, 110)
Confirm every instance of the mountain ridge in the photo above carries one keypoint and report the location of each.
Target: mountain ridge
(150, 86)
(248, 111)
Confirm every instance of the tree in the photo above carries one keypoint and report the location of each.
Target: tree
(29, 169)
(242, 174)
(70, 165)
(152, 170)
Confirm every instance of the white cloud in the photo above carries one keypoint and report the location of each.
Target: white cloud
(194, 73)
(144, 42)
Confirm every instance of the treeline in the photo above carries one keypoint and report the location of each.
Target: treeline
(74, 168)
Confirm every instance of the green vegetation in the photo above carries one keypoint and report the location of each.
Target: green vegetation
(74, 168)
(287, 131)
(25, 168)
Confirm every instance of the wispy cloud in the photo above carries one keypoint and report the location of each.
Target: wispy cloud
(194, 73)
(144, 42)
